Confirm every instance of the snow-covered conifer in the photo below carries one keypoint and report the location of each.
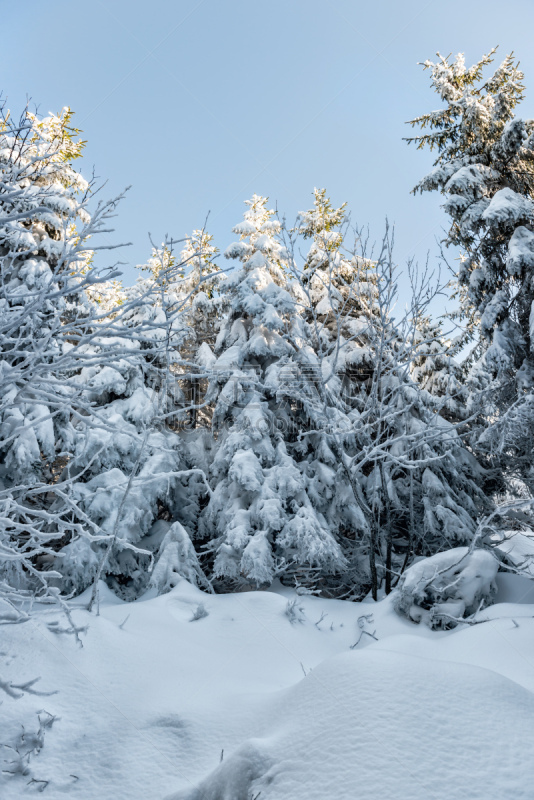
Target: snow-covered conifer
(403, 483)
(135, 466)
(188, 284)
(46, 327)
(436, 367)
(86, 458)
(260, 520)
(176, 559)
(485, 169)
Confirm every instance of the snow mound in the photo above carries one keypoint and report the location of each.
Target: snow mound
(375, 724)
(163, 699)
(233, 780)
(442, 589)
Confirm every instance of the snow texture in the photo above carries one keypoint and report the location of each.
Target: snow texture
(443, 588)
(242, 701)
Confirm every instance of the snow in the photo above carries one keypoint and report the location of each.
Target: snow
(508, 208)
(176, 559)
(246, 469)
(470, 178)
(518, 548)
(340, 734)
(520, 251)
(445, 587)
(205, 356)
(160, 691)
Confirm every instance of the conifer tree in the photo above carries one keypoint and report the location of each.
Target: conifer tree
(403, 482)
(436, 367)
(260, 520)
(188, 284)
(47, 334)
(204, 302)
(136, 470)
(485, 169)
(87, 457)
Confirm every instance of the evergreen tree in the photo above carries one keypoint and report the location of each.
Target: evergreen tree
(201, 288)
(47, 330)
(88, 459)
(260, 520)
(189, 284)
(485, 169)
(436, 368)
(134, 466)
(403, 482)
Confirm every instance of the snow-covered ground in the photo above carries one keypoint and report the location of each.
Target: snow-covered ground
(244, 703)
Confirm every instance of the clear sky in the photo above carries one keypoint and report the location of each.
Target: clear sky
(200, 103)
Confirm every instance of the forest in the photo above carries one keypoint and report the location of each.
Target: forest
(287, 412)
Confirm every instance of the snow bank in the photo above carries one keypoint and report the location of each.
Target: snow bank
(448, 586)
(159, 695)
(373, 724)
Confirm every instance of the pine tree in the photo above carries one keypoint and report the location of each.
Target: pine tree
(201, 287)
(135, 467)
(403, 482)
(437, 370)
(485, 169)
(260, 520)
(189, 284)
(88, 460)
(176, 560)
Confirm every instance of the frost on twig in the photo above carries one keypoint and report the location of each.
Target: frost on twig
(294, 612)
(363, 620)
(26, 746)
(199, 613)
(17, 690)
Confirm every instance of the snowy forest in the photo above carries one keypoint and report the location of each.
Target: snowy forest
(287, 413)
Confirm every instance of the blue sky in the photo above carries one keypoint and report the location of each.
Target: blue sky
(198, 105)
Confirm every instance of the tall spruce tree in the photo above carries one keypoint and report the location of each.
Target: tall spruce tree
(485, 169)
(406, 484)
(137, 478)
(260, 521)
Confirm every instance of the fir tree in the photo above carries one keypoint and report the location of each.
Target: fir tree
(485, 169)
(403, 483)
(134, 464)
(188, 287)
(260, 519)
(436, 368)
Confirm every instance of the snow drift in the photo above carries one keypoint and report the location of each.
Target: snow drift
(442, 589)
